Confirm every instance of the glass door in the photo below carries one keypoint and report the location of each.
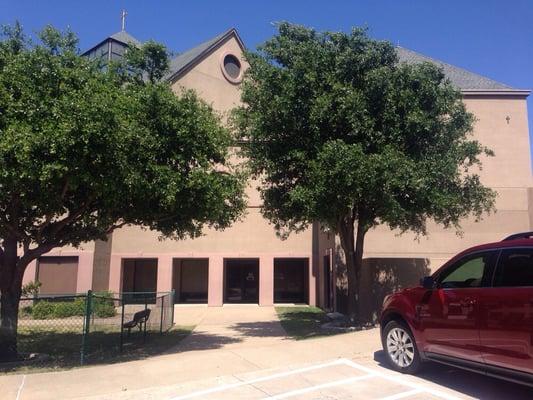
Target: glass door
(241, 281)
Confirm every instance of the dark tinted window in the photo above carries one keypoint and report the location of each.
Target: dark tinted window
(232, 66)
(470, 271)
(515, 268)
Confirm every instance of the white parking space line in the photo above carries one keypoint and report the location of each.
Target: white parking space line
(318, 387)
(416, 388)
(21, 386)
(403, 395)
(401, 381)
(257, 380)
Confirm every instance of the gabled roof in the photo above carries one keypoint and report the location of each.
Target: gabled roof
(122, 37)
(125, 38)
(459, 77)
(185, 61)
(468, 82)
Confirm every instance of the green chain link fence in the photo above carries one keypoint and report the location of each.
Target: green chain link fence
(83, 328)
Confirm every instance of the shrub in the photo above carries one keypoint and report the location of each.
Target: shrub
(26, 311)
(103, 305)
(69, 308)
(63, 309)
(42, 310)
(31, 288)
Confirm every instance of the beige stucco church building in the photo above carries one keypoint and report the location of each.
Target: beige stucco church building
(248, 263)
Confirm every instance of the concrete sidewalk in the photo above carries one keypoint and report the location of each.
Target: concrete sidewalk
(241, 344)
(226, 341)
(230, 326)
(183, 367)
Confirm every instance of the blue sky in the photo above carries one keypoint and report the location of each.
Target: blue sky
(489, 37)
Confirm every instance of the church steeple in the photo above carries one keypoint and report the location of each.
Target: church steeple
(113, 47)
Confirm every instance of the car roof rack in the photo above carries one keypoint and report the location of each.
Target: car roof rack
(521, 235)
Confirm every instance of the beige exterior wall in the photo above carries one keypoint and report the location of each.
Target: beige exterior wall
(509, 173)
(251, 237)
(394, 261)
(102, 258)
(391, 261)
(207, 79)
(324, 247)
(253, 234)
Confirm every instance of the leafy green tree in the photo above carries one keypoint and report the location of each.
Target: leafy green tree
(342, 133)
(85, 150)
(148, 62)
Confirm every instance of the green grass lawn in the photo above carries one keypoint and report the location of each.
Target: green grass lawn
(303, 322)
(62, 346)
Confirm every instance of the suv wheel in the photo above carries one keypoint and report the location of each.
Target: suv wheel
(400, 347)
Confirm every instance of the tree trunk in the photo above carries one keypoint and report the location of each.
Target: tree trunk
(358, 266)
(10, 291)
(9, 308)
(346, 234)
(353, 246)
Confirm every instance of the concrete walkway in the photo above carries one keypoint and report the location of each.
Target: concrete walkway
(196, 368)
(231, 326)
(230, 357)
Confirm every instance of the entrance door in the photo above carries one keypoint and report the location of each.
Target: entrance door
(241, 279)
(190, 280)
(291, 280)
(139, 279)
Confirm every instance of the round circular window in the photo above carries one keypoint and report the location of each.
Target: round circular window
(231, 67)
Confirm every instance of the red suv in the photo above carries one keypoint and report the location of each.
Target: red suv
(475, 312)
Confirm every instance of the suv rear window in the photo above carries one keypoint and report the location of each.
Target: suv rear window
(515, 268)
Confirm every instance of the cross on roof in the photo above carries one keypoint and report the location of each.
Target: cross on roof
(123, 16)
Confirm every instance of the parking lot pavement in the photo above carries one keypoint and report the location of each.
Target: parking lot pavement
(339, 379)
(346, 366)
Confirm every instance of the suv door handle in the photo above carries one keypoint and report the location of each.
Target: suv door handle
(468, 302)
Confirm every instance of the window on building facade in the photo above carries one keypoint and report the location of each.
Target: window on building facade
(232, 68)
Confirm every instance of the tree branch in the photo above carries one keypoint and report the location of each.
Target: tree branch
(13, 231)
(48, 217)
(116, 226)
(40, 228)
(59, 225)
(65, 188)
(32, 254)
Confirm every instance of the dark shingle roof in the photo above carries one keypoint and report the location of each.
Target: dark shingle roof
(459, 77)
(122, 37)
(184, 61)
(125, 38)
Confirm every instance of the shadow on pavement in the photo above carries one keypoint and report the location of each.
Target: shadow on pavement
(203, 341)
(466, 382)
(236, 333)
(260, 329)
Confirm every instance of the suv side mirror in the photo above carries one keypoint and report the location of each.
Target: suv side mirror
(427, 282)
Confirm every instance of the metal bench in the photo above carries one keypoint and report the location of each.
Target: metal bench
(139, 319)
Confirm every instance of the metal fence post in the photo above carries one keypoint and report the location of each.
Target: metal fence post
(172, 307)
(122, 323)
(86, 325)
(145, 322)
(162, 308)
